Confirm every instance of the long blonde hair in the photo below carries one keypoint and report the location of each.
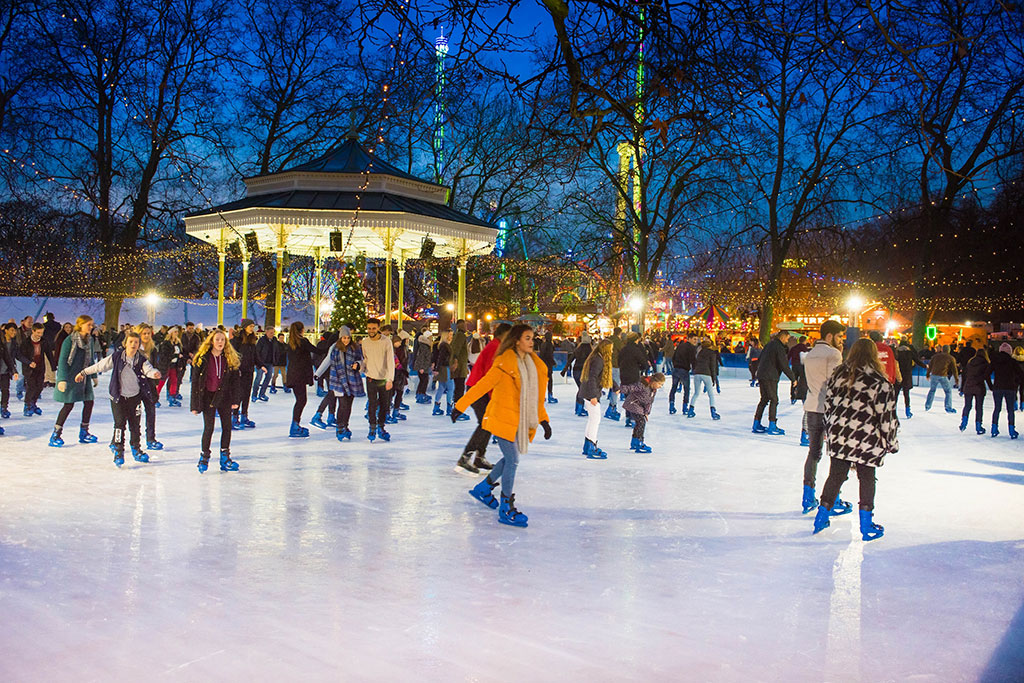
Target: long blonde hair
(82, 319)
(863, 354)
(145, 348)
(295, 334)
(603, 349)
(234, 362)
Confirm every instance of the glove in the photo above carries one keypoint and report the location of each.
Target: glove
(547, 429)
(455, 414)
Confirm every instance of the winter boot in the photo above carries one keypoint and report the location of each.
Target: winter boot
(869, 531)
(1013, 432)
(465, 464)
(963, 424)
(55, 440)
(332, 421)
(246, 422)
(821, 519)
(318, 421)
(805, 440)
(774, 430)
(154, 445)
(484, 492)
(995, 431)
(84, 436)
(139, 455)
(297, 431)
(714, 414)
(437, 409)
(758, 428)
(507, 513)
(809, 502)
(672, 407)
(480, 462)
(382, 434)
(979, 428)
(226, 463)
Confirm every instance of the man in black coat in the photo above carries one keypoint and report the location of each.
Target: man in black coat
(34, 353)
(773, 364)
(682, 364)
(547, 354)
(633, 360)
(264, 364)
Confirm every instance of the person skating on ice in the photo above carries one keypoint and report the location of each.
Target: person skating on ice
(172, 362)
(130, 382)
(682, 364)
(942, 372)
(264, 366)
(860, 429)
(442, 374)
(773, 363)
(705, 377)
(216, 391)
(344, 381)
(639, 398)
(977, 373)
(76, 353)
(819, 363)
(300, 375)
(245, 346)
(576, 360)
(906, 359)
(1007, 376)
(513, 415)
(150, 399)
(379, 367)
(473, 458)
(595, 379)
(8, 368)
(633, 364)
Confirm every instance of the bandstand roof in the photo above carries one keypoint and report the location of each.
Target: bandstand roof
(377, 208)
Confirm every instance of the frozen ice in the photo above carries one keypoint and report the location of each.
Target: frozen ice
(359, 561)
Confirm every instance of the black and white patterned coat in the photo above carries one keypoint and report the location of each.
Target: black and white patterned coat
(860, 419)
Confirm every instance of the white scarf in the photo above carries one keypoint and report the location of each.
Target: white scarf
(528, 391)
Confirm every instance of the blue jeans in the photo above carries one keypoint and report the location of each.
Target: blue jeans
(680, 378)
(706, 382)
(442, 388)
(612, 396)
(937, 382)
(506, 467)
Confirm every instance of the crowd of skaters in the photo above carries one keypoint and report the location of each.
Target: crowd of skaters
(506, 377)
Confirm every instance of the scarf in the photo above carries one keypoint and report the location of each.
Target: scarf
(528, 392)
(79, 342)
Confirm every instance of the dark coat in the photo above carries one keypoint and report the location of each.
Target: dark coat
(460, 354)
(976, 376)
(590, 386)
(230, 391)
(280, 353)
(706, 363)
(7, 366)
(907, 358)
(190, 344)
(442, 362)
(168, 356)
(774, 363)
(684, 356)
(300, 364)
(247, 354)
(632, 363)
(26, 353)
(265, 351)
(1006, 372)
(579, 357)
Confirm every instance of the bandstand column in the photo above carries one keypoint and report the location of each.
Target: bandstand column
(277, 289)
(245, 286)
(221, 258)
(316, 303)
(387, 289)
(401, 290)
(460, 306)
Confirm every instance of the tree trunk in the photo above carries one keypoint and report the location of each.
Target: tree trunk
(764, 332)
(112, 311)
(920, 325)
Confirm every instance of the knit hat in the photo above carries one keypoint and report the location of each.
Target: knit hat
(344, 331)
(584, 338)
(248, 321)
(1006, 348)
(403, 335)
(426, 337)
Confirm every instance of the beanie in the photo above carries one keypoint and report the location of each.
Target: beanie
(344, 331)
(1006, 348)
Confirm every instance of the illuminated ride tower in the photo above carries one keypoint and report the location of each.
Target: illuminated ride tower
(440, 55)
(630, 156)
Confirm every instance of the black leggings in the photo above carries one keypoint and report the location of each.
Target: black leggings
(66, 409)
(344, 410)
(478, 442)
(327, 403)
(127, 413)
(243, 405)
(906, 396)
(421, 388)
(150, 406)
(300, 402)
(209, 414)
(979, 406)
(838, 471)
(398, 389)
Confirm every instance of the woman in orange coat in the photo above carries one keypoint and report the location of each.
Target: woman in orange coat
(517, 381)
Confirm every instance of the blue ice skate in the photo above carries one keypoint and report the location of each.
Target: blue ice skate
(139, 455)
(297, 431)
(805, 440)
(318, 421)
(507, 513)
(775, 430)
(809, 501)
(714, 414)
(484, 493)
(154, 445)
(246, 422)
(204, 462)
(226, 463)
(869, 531)
(55, 440)
(821, 519)
(382, 434)
(758, 428)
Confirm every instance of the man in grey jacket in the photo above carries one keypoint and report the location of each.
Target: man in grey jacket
(819, 364)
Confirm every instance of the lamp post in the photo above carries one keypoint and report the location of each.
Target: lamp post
(855, 304)
(152, 300)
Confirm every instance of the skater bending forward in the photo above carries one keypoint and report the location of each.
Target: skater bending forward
(860, 428)
(517, 382)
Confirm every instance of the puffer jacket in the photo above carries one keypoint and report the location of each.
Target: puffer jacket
(590, 386)
(706, 362)
(976, 376)
(860, 419)
(502, 416)
(1006, 372)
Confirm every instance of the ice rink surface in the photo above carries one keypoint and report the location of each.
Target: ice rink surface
(359, 561)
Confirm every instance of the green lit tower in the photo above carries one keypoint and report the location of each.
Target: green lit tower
(440, 55)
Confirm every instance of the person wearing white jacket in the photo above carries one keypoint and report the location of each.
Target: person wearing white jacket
(819, 364)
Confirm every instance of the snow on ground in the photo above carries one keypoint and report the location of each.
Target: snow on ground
(370, 562)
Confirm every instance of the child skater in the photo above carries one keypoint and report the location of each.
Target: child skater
(639, 400)
(129, 384)
(342, 367)
(216, 390)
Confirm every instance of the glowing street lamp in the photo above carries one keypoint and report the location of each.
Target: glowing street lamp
(449, 307)
(152, 300)
(855, 304)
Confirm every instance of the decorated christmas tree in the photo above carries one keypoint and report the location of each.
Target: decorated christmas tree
(349, 302)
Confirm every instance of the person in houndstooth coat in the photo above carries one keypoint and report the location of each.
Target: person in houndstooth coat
(860, 429)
